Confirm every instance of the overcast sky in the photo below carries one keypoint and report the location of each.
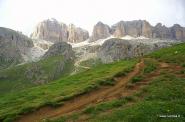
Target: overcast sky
(23, 15)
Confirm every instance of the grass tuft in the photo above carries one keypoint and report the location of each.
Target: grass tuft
(136, 79)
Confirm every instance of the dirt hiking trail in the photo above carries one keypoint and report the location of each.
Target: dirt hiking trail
(102, 94)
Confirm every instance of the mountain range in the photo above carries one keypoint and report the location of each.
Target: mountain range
(17, 48)
(62, 70)
(54, 31)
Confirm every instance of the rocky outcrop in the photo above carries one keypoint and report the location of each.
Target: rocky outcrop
(52, 30)
(76, 34)
(100, 31)
(178, 32)
(115, 49)
(13, 45)
(17, 39)
(9, 55)
(60, 49)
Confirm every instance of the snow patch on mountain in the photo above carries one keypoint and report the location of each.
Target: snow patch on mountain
(80, 44)
(101, 41)
(127, 37)
(88, 43)
(142, 37)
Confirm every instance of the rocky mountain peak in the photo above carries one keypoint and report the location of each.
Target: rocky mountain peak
(52, 30)
(177, 26)
(52, 20)
(133, 28)
(100, 31)
(178, 32)
(77, 34)
(158, 25)
(146, 29)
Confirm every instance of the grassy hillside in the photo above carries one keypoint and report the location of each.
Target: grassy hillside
(91, 62)
(162, 100)
(55, 93)
(164, 96)
(175, 54)
(27, 75)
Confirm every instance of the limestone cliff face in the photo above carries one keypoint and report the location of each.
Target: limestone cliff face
(13, 46)
(161, 31)
(178, 32)
(146, 29)
(143, 28)
(8, 54)
(17, 39)
(133, 28)
(52, 30)
(76, 34)
(100, 31)
(119, 29)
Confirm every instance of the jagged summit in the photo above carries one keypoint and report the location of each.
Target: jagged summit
(52, 20)
(100, 31)
(54, 31)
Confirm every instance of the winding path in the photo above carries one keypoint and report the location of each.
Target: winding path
(77, 103)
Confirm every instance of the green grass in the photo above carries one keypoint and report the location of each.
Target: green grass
(23, 76)
(174, 54)
(93, 110)
(88, 63)
(150, 65)
(164, 96)
(91, 62)
(57, 92)
(136, 79)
